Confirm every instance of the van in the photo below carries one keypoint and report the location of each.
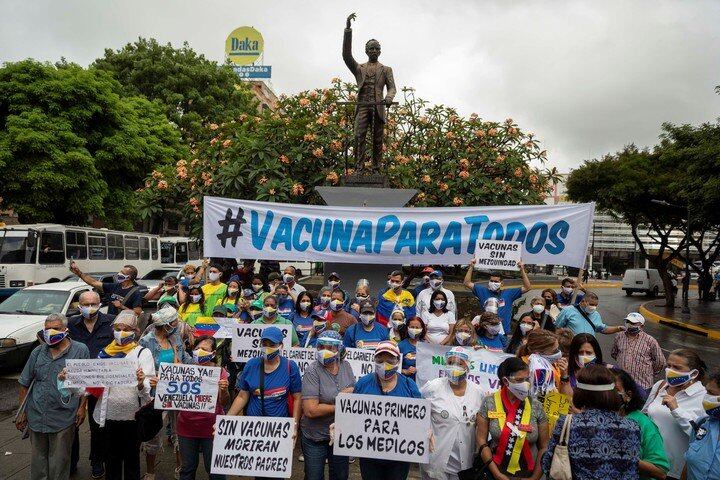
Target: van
(645, 280)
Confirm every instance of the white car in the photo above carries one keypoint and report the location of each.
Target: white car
(23, 314)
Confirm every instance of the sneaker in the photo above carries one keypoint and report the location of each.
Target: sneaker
(98, 470)
(301, 458)
(177, 472)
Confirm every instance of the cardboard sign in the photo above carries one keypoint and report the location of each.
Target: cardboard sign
(246, 340)
(101, 372)
(382, 427)
(555, 404)
(189, 388)
(253, 446)
(498, 254)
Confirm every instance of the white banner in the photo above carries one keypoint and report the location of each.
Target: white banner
(430, 364)
(190, 388)
(361, 361)
(387, 428)
(498, 254)
(253, 446)
(246, 340)
(100, 372)
(275, 231)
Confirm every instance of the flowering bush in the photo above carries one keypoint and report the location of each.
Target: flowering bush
(281, 156)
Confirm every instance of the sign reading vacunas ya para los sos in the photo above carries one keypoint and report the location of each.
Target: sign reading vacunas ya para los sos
(247, 229)
(190, 388)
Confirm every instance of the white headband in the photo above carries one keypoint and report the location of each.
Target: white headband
(595, 388)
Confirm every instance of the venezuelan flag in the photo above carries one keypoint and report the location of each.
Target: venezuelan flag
(206, 326)
(388, 300)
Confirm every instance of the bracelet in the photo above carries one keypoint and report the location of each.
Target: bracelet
(483, 447)
(564, 379)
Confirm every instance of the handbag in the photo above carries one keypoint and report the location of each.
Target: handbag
(478, 471)
(149, 422)
(560, 465)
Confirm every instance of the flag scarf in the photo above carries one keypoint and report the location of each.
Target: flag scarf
(513, 452)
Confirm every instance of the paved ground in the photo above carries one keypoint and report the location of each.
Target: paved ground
(614, 305)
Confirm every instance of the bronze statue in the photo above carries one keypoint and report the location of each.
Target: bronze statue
(371, 78)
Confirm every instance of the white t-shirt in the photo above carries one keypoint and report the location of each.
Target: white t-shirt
(438, 327)
(422, 302)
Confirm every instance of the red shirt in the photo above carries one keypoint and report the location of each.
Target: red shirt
(200, 424)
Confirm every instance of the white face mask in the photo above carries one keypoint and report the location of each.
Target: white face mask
(520, 390)
(492, 329)
(463, 337)
(195, 298)
(426, 279)
(491, 309)
(287, 278)
(333, 283)
(435, 284)
(414, 332)
(567, 290)
(305, 306)
(538, 308)
(394, 285)
(257, 287)
(553, 357)
(439, 304)
(213, 276)
(590, 308)
(494, 286)
(367, 318)
(525, 328)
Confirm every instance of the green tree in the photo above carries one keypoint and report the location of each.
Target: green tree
(194, 90)
(281, 156)
(73, 147)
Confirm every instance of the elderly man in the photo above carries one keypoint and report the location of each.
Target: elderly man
(124, 293)
(290, 279)
(93, 329)
(585, 318)
(52, 418)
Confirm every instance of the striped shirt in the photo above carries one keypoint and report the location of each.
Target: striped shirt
(639, 355)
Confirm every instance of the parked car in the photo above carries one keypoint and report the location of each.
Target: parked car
(23, 314)
(645, 280)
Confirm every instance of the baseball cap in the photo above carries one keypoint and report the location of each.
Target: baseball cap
(436, 273)
(634, 317)
(367, 307)
(248, 292)
(428, 270)
(273, 334)
(334, 274)
(389, 347)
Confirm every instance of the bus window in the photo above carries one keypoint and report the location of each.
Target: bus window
(17, 249)
(144, 248)
(181, 252)
(132, 251)
(75, 245)
(154, 244)
(167, 252)
(116, 250)
(194, 251)
(51, 248)
(98, 246)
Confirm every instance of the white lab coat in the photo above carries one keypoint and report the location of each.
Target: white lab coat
(453, 423)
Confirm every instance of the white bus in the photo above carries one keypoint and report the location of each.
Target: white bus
(41, 253)
(178, 251)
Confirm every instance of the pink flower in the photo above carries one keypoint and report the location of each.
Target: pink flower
(162, 185)
(309, 137)
(492, 132)
(443, 187)
(464, 163)
(304, 102)
(194, 201)
(284, 159)
(336, 145)
(426, 179)
(457, 201)
(297, 189)
(263, 180)
(518, 172)
(332, 177)
(182, 172)
(157, 175)
(318, 152)
(226, 143)
(464, 174)
(213, 126)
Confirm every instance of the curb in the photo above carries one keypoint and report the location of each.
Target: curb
(710, 333)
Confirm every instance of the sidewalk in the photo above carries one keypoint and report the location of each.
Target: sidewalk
(704, 318)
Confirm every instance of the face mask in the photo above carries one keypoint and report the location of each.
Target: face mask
(213, 276)
(170, 330)
(414, 332)
(456, 373)
(554, 357)
(426, 279)
(282, 297)
(493, 286)
(463, 338)
(520, 389)
(53, 337)
(491, 309)
(361, 298)
(567, 290)
(287, 278)
(711, 404)
(120, 277)
(333, 284)
(195, 298)
(189, 276)
(398, 324)
(492, 329)
(232, 291)
(631, 328)
(257, 287)
(590, 308)
(394, 285)
(319, 326)
(256, 315)
(269, 353)
(305, 306)
(269, 312)
(525, 328)
(326, 357)
(585, 360)
(168, 288)
(367, 319)
(88, 311)
(336, 305)
(538, 309)
(439, 304)
(123, 338)
(325, 301)
(435, 284)
(548, 302)
(202, 356)
(385, 370)
(676, 379)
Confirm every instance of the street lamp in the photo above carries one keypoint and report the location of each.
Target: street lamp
(685, 307)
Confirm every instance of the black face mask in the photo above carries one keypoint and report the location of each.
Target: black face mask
(548, 302)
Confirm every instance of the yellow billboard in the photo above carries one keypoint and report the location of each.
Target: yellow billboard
(244, 46)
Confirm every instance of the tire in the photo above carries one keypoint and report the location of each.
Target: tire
(628, 293)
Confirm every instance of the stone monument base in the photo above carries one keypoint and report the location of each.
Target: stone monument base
(363, 179)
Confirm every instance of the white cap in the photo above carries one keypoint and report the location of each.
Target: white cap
(634, 317)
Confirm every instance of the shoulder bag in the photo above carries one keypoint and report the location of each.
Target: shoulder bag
(560, 466)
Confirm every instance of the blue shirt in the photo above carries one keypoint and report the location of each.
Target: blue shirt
(564, 300)
(499, 342)
(99, 338)
(303, 326)
(286, 308)
(370, 385)
(505, 296)
(703, 454)
(408, 351)
(570, 317)
(281, 383)
(357, 337)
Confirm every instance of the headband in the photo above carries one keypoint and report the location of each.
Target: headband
(595, 388)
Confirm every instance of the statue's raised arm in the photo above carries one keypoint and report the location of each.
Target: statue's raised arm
(347, 45)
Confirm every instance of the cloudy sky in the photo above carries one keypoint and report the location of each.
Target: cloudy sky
(586, 77)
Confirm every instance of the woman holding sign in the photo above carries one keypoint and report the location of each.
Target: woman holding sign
(455, 404)
(322, 382)
(414, 333)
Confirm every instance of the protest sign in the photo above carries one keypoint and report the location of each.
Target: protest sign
(246, 340)
(556, 404)
(361, 361)
(226, 327)
(190, 388)
(498, 254)
(556, 234)
(100, 372)
(430, 364)
(253, 446)
(383, 427)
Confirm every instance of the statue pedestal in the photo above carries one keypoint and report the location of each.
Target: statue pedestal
(363, 196)
(361, 179)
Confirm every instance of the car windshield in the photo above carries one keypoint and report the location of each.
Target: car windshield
(157, 274)
(15, 249)
(35, 302)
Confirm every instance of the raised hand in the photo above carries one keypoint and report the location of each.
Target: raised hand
(350, 18)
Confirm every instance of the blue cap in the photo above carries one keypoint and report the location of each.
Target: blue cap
(436, 273)
(273, 334)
